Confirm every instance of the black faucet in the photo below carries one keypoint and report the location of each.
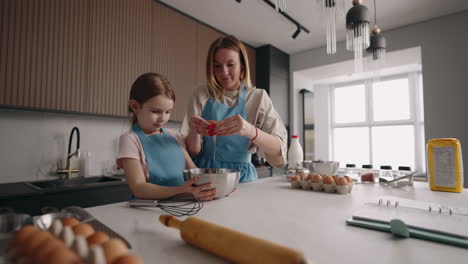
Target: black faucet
(68, 170)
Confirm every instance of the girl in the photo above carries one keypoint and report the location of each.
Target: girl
(246, 119)
(153, 157)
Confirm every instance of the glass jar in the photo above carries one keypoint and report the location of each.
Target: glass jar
(352, 172)
(402, 171)
(386, 172)
(368, 174)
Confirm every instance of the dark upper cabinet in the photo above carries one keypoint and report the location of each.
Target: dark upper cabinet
(272, 72)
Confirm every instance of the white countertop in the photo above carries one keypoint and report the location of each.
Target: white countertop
(312, 222)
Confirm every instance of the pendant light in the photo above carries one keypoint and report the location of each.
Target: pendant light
(331, 11)
(378, 44)
(357, 33)
(280, 5)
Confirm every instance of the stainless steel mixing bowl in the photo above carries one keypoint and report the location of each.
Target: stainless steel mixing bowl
(224, 180)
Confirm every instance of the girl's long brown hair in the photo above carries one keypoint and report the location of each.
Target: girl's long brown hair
(227, 42)
(147, 86)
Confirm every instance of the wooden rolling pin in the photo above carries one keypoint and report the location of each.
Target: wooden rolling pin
(231, 244)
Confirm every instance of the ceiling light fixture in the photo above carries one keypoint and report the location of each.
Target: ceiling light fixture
(378, 44)
(280, 5)
(357, 33)
(300, 27)
(331, 11)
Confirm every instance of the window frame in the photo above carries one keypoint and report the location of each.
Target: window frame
(416, 118)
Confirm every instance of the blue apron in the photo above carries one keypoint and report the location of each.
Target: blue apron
(231, 151)
(164, 156)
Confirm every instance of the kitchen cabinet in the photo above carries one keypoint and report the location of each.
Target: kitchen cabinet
(24, 199)
(83, 56)
(273, 76)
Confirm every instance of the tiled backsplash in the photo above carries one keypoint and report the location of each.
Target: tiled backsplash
(33, 142)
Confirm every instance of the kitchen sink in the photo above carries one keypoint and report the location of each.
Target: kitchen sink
(73, 182)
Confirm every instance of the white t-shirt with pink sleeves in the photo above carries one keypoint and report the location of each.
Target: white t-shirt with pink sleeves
(130, 147)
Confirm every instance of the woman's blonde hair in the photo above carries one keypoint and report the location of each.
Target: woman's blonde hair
(147, 86)
(227, 42)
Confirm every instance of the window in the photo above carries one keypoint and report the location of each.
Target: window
(378, 122)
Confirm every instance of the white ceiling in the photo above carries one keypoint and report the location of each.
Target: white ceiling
(257, 24)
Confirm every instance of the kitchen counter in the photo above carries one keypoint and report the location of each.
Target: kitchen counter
(313, 222)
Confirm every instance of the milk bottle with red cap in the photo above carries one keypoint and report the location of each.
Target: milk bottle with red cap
(295, 153)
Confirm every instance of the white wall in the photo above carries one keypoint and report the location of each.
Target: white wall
(33, 142)
(443, 43)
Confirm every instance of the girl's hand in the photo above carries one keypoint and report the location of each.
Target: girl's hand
(203, 192)
(235, 125)
(199, 126)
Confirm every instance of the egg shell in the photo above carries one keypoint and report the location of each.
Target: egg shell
(70, 221)
(21, 235)
(335, 177)
(83, 229)
(45, 249)
(128, 259)
(295, 178)
(113, 249)
(342, 181)
(27, 247)
(316, 178)
(328, 180)
(63, 256)
(97, 238)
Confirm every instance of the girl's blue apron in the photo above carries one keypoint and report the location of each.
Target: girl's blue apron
(164, 156)
(231, 151)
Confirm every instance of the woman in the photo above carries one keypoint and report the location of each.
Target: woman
(243, 119)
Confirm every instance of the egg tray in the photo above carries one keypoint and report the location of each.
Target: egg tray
(321, 187)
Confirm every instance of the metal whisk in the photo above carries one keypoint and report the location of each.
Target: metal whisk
(182, 204)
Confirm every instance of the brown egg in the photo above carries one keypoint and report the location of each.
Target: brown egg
(342, 181)
(348, 179)
(45, 249)
(335, 177)
(128, 259)
(21, 235)
(83, 229)
(328, 180)
(316, 178)
(309, 177)
(28, 247)
(113, 249)
(70, 221)
(63, 256)
(97, 238)
(295, 178)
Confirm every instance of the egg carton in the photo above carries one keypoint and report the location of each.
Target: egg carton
(322, 187)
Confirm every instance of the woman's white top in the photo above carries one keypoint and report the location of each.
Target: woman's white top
(259, 109)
